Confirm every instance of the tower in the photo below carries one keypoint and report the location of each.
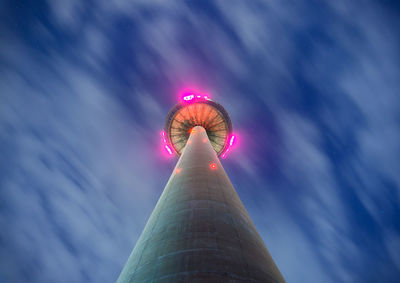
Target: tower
(199, 230)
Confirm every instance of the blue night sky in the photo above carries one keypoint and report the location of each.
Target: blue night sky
(312, 88)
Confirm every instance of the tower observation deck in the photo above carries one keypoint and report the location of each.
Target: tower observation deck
(199, 230)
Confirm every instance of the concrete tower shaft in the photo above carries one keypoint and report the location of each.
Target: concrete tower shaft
(199, 230)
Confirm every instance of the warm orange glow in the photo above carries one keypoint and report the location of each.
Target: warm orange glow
(178, 170)
(204, 140)
(189, 142)
(213, 166)
(201, 114)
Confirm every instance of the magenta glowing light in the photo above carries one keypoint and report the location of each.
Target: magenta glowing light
(223, 155)
(163, 137)
(166, 145)
(231, 142)
(191, 97)
(188, 97)
(168, 149)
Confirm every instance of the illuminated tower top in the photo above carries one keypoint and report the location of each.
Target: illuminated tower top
(198, 110)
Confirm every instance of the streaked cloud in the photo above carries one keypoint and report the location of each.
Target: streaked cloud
(312, 91)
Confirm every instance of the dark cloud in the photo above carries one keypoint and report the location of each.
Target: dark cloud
(311, 87)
